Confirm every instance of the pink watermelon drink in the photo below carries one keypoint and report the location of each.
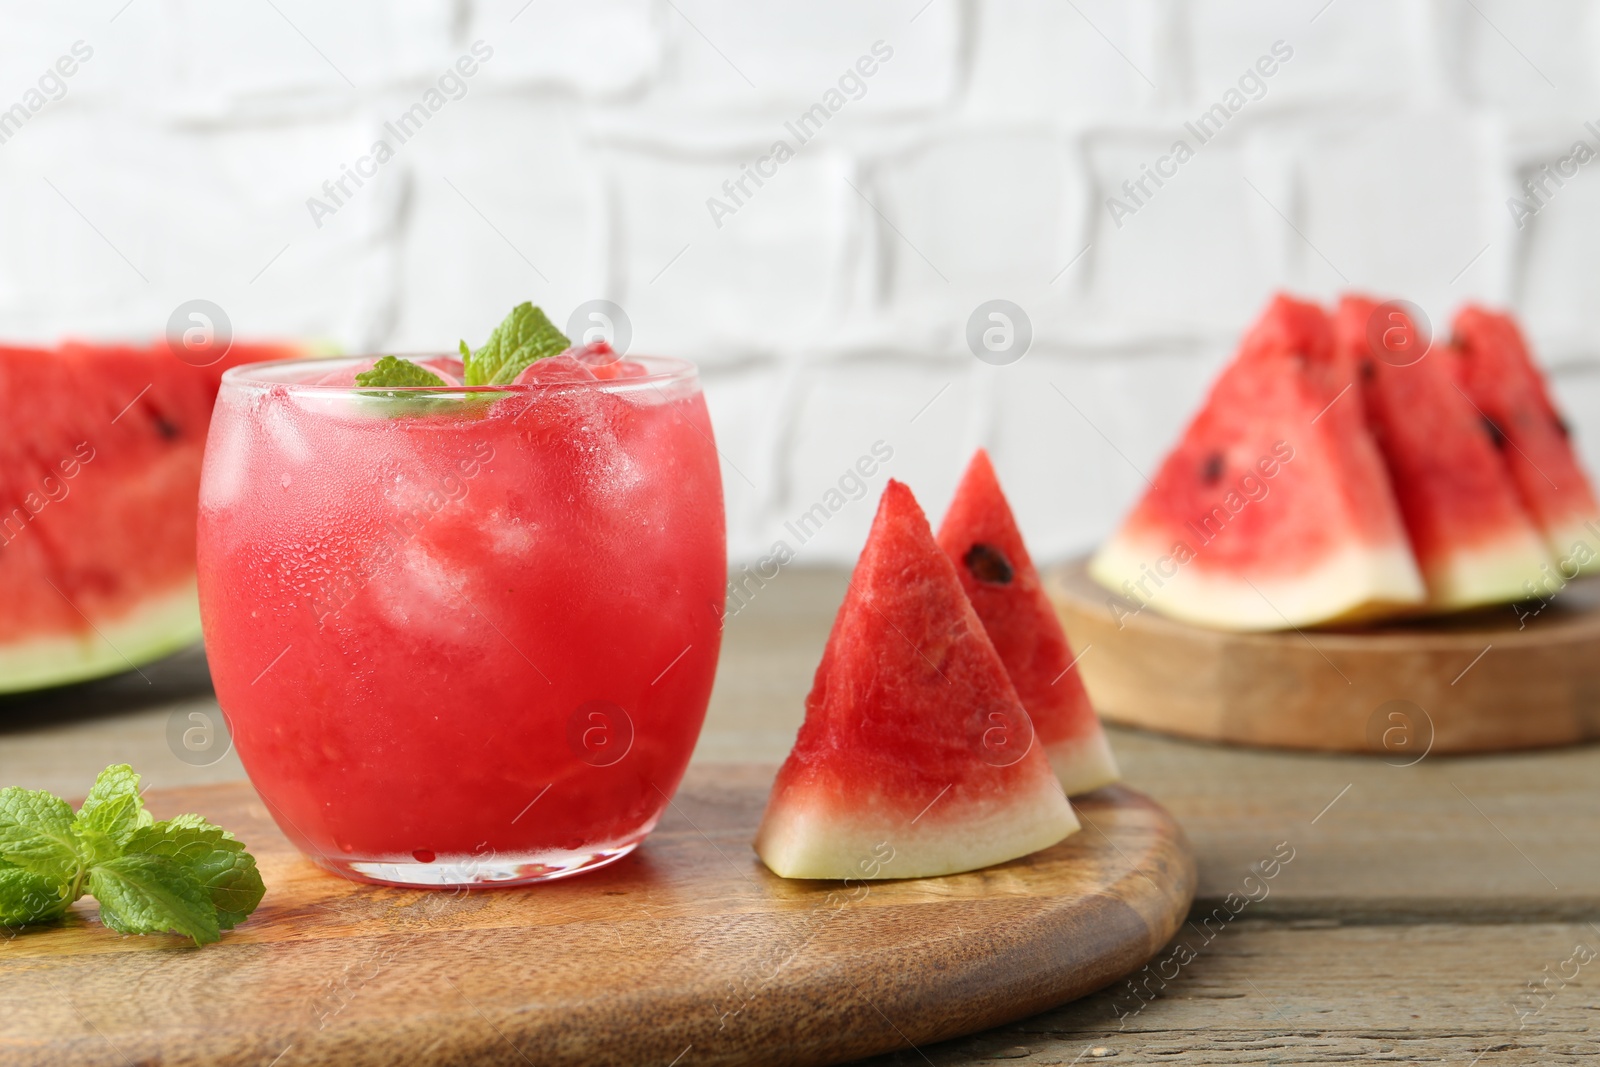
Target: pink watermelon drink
(463, 634)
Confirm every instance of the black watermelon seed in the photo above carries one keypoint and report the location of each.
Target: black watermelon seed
(1563, 427)
(988, 564)
(1368, 371)
(166, 429)
(1212, 471)
(1495, 433)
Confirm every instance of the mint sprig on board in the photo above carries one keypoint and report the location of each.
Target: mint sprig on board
(182, 875)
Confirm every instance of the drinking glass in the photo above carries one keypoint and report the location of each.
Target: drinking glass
(461, 635)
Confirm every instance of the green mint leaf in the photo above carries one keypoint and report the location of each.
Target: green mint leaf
(110, 814)
(394, 372)
(145, 894)
(36, 833)
(183, 875)
(526, 335)
(26, 897)
(214, 857)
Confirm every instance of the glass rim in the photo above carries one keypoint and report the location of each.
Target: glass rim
(277, 373)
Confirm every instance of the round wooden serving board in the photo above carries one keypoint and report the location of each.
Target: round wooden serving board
(1492, 680)
(688, 952)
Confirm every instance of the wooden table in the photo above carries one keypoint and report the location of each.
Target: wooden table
(1443, 913)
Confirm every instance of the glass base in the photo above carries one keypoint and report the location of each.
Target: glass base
(475, 872)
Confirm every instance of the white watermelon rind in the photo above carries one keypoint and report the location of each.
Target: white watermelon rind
(1563, 543)
(1351, 584)
(159, 626)
(1083, 764)
(1497, 573)
(808, 832)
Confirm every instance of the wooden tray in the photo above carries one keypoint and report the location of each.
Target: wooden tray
(688, 952)
(1491, 680)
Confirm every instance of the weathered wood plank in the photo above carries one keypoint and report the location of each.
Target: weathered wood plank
(1467, 838)
(1269, 992)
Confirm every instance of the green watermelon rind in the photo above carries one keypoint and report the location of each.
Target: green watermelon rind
(159, 626)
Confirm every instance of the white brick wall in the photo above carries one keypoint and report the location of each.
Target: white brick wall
(828, 311)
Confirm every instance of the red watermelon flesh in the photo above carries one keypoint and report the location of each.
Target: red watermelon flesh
(916, 757)
(99, 486)
(1274, 509)
(1499, 376)
(1472, 538)
(980, 535)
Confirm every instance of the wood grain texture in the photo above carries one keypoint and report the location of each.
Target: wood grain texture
(688, 949)
(1488, 681)
(1310, 995)
(1467, 839)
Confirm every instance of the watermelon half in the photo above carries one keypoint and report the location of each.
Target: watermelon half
(916, 757)
(1499, 376)
(1274, 510)
(99, 486)
(1471, 536)
(980, 535)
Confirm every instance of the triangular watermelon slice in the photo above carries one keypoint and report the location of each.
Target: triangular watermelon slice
(99, 486)
(1274, 510)
(980, 536)
(916, 757)
(1471, 536)
(1499, 375)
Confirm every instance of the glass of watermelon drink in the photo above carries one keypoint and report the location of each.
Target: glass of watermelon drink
(463, 635)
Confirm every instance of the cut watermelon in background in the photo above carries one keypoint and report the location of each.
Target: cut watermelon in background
(1499, 376)
(99, 486)
(1471, 536)
(916, 757)
(1274, 510)
(980, 535)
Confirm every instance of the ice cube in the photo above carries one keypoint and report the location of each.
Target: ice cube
(555, 369)
(227, 452)
(278, 419)
(345, 377)
(447, 367)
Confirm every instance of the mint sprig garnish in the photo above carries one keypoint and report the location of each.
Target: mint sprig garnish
(397, 373)
(182, 875)
(525, 336)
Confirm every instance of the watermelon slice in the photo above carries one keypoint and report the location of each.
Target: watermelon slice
(980, 535)
(1471, 536)
(916, 758)
(1499, 376)
(1274, 509)
(99, 485)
